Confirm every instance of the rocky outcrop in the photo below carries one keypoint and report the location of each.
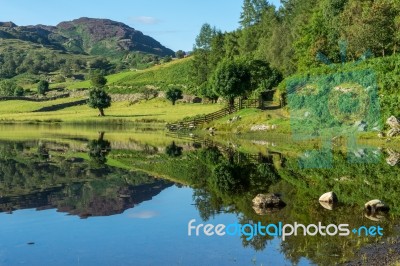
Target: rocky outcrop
(265, 203)
(394, 125)
(87, 35)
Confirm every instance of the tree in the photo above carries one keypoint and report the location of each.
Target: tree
(263, 78)
(99, 99)
(203, 40)
(43, 87)
(180, 54)
(174, 94)
(101, 64)
(231, 79)
(19, 91)
(201, 65)
(173, 150)
(167, 59)
(252, 12)
(7, 88)
(98, 80)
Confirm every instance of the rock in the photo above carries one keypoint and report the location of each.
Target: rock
(375, 205)
(375, 217)
(260, 128)
(329, 197)
(264, 203)
(393, 158)
(393, 122)
(197, 100)
(328, 200)
(393, 132)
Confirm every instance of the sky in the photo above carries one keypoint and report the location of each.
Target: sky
(174, 23)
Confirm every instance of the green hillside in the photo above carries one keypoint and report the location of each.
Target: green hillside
(160, 76)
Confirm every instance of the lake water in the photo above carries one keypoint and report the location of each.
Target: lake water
(122, 196)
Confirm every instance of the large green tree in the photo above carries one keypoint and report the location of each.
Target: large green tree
(99, 99)
(7, 88)
(97, 79)
(174, 94)
(231, 79)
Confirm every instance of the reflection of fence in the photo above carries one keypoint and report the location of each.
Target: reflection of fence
(199, 120)
(239, 156)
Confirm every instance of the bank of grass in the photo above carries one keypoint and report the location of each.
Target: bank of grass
(251, 117)
(156, 111)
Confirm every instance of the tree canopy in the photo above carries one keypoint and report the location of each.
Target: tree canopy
(99, 99)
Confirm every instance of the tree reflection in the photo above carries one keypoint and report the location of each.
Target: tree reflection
(173, 150)
(98, 150)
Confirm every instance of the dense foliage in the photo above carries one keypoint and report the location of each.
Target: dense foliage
(99, 99)
(174, 94)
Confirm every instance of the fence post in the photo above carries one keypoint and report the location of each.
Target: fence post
(240, 103)
(260, 102)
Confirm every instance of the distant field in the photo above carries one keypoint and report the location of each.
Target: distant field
(161, 76)
(157, 110)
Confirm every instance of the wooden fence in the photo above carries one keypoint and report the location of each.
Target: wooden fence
(199, 120)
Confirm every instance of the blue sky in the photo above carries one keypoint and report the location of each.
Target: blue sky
(174, 23)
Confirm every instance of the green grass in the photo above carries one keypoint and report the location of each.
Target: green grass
(161, 76)
(251, 117)
(156, 111)
(23, 107)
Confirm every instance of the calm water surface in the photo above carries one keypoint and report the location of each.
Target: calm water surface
(94, 196)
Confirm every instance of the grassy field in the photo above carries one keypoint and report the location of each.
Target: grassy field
(161, 76)
(156, 111)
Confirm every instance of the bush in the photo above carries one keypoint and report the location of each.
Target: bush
(43, 87)
(19, 91)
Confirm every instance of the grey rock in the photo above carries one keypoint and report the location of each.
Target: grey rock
(264, 203)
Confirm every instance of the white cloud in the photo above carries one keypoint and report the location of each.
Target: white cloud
(143, 215)
(146, 20)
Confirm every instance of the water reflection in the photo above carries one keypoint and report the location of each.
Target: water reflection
(44, 175)
(99, 149)
(93, 177)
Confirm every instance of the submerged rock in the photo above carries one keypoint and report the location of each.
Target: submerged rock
(264, 203)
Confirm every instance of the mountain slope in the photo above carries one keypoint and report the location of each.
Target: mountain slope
(87, 36)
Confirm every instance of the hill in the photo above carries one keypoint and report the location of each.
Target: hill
(161, 77)
(86, 36)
